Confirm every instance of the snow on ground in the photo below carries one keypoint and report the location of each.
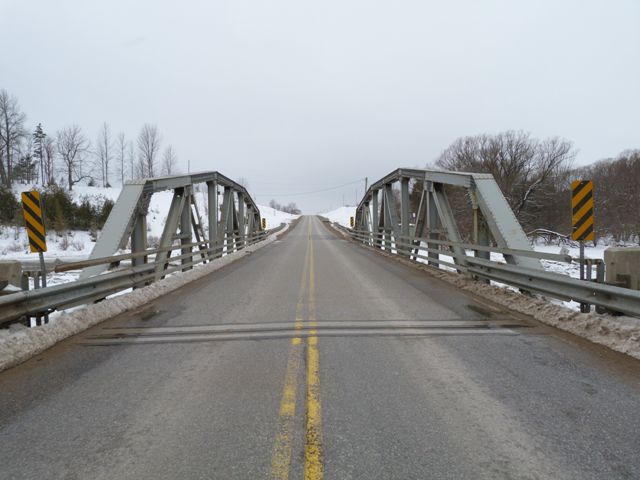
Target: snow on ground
(340, 215)
(275, 217)
(76, 245)
(618, 333)
(19, 343)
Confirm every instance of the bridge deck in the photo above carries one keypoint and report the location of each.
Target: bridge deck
(314, 356)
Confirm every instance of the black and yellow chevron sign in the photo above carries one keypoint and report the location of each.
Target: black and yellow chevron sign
(582, 205)
(32, 211)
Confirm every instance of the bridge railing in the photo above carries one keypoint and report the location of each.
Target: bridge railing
(384, 220)
(32, 303)
(591, 291)
(233, 224)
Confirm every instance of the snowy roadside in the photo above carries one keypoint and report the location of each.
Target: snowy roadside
(621, 334)
(19, 343)
(341, 216)
(76, 245)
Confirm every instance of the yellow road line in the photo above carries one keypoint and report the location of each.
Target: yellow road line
(281, 459)
(313, 467)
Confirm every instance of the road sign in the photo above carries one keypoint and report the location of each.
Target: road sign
(352, 222)
(32, 211)
(264, 223)
(582, 208)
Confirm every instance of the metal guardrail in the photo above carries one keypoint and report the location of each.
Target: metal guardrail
(605, 297)
(29, 303)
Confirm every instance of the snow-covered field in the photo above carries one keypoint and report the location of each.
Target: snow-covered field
(340, 215)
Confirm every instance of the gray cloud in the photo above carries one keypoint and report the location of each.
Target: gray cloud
(299, 96)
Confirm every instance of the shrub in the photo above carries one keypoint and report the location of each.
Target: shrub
(9, 206)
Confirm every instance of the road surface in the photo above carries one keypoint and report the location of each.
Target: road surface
(316, 358)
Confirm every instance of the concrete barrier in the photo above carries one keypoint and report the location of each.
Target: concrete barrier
(623, 266)
(10, 273)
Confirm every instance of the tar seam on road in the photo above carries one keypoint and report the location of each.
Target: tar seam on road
(281, 460)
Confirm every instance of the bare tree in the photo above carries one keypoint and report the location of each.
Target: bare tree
(104, 152)
(49, 158)
(524, 167)
(169, 161)
(131, 159)
(121, 146)
(148, 147)
(616, 185)
(11, 133)
(243, 181)
(72, 148)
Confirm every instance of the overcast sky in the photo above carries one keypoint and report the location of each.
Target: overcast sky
(300, 96)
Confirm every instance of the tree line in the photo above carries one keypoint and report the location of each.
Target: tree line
(291, 207)
(67, 156)
(535, 176)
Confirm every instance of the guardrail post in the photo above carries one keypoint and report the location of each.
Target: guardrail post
(600, 279)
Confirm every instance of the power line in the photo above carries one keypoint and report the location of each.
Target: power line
(309, 193)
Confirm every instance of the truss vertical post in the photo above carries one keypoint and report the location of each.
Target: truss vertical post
(421, 222)
(169, 231)
(213, 210)
(449, 222)
(481, 234)
(186, 235)
(390, 216)
(250, 221)
(139, 239)
(375, 227)
(234, 227)
(404, 213)
(241, 220)
(432, 225)
(225, 220)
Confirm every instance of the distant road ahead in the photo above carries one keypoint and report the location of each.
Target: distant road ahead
(315, 358)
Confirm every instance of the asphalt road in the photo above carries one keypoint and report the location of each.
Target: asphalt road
(316, 358)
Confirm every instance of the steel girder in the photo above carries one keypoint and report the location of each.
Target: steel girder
(493, 218)
(230, 223)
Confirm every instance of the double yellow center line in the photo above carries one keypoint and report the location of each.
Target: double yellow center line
(281, 461)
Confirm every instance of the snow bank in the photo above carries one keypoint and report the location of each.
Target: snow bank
(275, 217)
(618, 333)
(340, 215)
(19, 343)
(621, 334)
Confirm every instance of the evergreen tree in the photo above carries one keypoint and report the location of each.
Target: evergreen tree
(38, 152)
